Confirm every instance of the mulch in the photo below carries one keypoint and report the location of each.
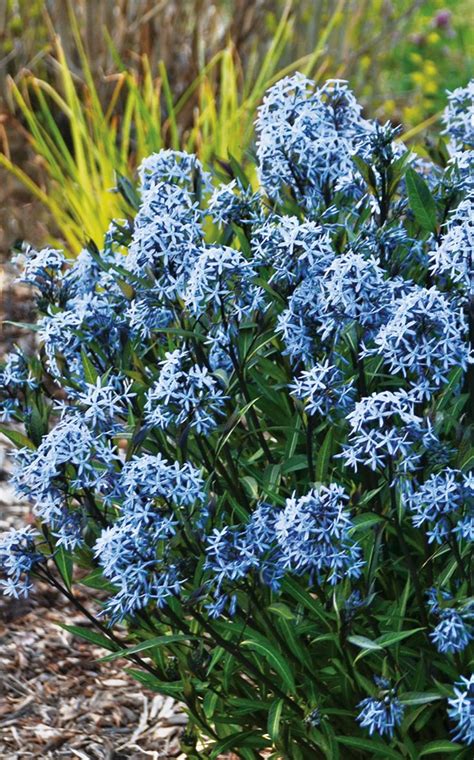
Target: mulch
(57, 701)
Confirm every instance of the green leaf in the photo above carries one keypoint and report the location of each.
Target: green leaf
(17, 438)
(90, 372)
(324, 456)
(421, 201)
(157, 641)
(387, 639)
(127, 191)
(366, 521)
(439, 746)
(96, 580)
(364, 643)
(292, 587)
(367, 173)
(63, 561)
(90, 635)
(282, 610)
(236, 741)
(419, 697)
(274, 659)
(372, 745)
(170, 689)
(274, 717)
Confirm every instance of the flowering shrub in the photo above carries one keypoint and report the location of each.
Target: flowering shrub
(248, 428)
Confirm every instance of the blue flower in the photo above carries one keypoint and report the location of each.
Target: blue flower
(382, 714)
(454, 632)
(353, 288)
(306, 138)
(16, 372)
(461, 710)
(149, 476)
(171, 166)
(424, 339)
(453, 256)
(90, 319)
(291, 248)
(103, 404)
(444, 504)
(385, 429)
(68, 460)
(184, 394)
(18, 558)
(136, 552)
(146, 314)
(42, 269)
(324, 390)
(166, 239)
(458, 117)
(134, 557)
(234, 203)
(313, 535)
(222, 279)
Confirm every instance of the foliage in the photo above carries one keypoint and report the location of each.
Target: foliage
(248, 428)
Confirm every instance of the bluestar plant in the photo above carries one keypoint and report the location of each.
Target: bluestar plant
(247, 430)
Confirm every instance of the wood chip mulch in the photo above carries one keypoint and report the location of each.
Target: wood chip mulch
(57, 701)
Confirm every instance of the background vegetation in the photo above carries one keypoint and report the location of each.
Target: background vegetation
(94, 91)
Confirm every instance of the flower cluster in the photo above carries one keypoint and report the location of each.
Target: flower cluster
(324, 390)
(461, 710)
(385, 431)
(250, 417)
(381, 714)
(444, 506)
(18, 557)
(306, 138)
(455, 628)
(184, 394)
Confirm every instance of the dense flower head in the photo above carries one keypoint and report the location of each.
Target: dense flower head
(454, 631)
(222, 280)
(18, 557)
(166, 238)
(461, 710)
(423, 340)
(312, 533)
(381, 714)
(71, 458)
(146, 314)
(136, 552)
(171, 166)
(291, 247)
(353, 288)
(444, 505)
(184, 394)
(16, 372)
(459, 116)
(324, 390)
(232, 202)
(453, 257)
(92, 318)
(104, 404)
(128, 553)
(385, 431)
(306, 138)
(42, 269)
(150, 476)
